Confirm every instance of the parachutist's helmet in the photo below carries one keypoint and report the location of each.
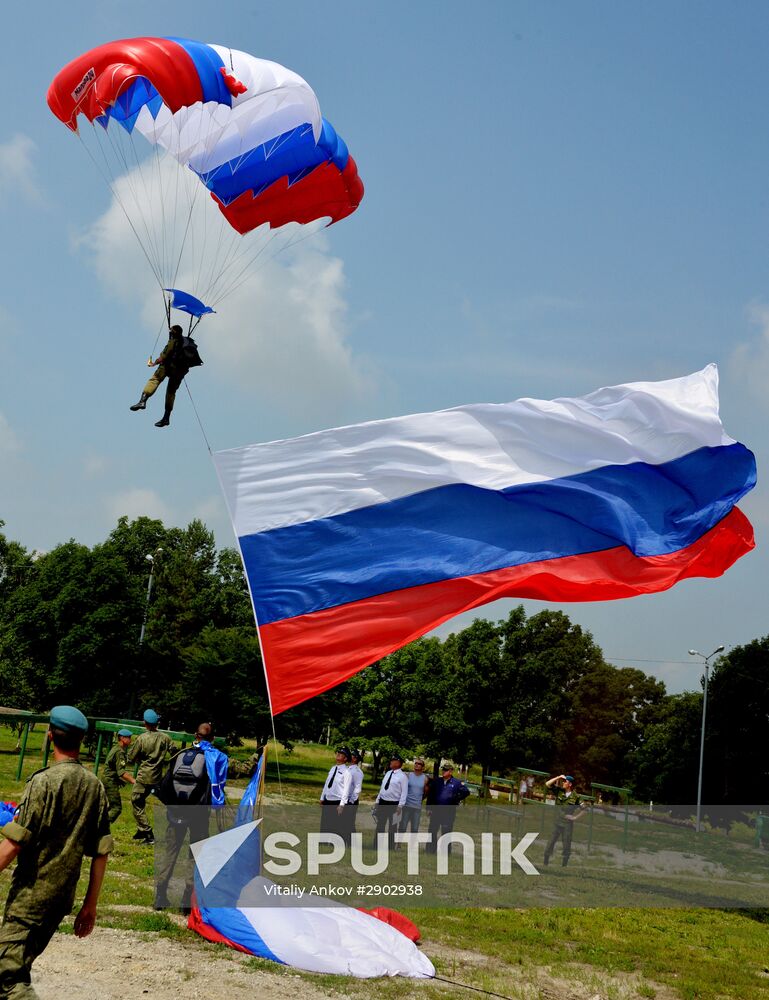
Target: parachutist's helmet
(176, 331)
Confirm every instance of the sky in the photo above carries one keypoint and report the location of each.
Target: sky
(558, 197)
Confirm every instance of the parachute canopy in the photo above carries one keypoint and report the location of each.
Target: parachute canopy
(185, 302)
(173, 121)
(249, 128)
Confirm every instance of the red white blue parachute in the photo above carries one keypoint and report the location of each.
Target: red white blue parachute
(248, 131)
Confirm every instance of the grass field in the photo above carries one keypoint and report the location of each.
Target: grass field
(554, 953)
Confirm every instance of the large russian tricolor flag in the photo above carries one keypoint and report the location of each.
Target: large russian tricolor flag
(360, 539)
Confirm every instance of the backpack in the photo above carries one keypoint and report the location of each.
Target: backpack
(188, 355)
(186, 781)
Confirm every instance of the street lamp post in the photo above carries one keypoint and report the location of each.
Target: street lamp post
(706, 660)
(151, 560)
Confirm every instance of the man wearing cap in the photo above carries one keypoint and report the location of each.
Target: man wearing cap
(62, 816)
(568, 808)
(335, 794)
(390, 800)
(149, 752)
(117, 773)
(443, 797)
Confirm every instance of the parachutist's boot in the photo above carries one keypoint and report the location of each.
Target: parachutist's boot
(165, 420)
(142, 404)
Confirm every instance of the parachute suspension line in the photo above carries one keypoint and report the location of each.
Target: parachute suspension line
(244, 264)
(156, 170)
(157, 335)
(134, 176)
(184, 241)
(207, 208)
(179, 194)
(197, 417)
(244, 274)
(119, 200)
(475, 989)
(230, 257)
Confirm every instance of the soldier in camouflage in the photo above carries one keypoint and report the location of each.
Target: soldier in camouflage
(243, 768)
(568, 808)
(117, 773)
(149, 751)
(62, 816)
(170, 364)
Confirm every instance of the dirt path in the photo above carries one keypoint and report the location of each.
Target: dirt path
(131, 965)
(126, 965)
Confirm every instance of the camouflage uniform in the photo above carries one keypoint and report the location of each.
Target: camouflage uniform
(243, 768)
(566, 806)
(149, 750)
(115, 765)
(169, 367)
(63, 815)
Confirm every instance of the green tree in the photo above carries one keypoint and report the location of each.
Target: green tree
(382, 709)
(737, 731)
(666, 763)
(221, 681)
(609, 712)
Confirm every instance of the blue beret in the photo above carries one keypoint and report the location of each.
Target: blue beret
(69, 719)
(124, 732)
(151, 716)
(568, 777)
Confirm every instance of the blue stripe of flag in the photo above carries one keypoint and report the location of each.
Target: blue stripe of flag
(459, 530)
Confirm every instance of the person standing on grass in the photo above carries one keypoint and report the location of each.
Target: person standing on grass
(412, 807)
(335, 794)
(62, 817)
(149, 752)
(389, 802)
(443, 798)
(193, 784)
(356, 785)
(568, 807)
(117, 773)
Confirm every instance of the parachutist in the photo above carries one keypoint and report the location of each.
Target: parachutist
(174, 361)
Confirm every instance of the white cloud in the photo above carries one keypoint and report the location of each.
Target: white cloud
(749, 362)
(94, 465)
(280, 333)
(17, 170)
(139, 503)
(209, 509)
(10, 443)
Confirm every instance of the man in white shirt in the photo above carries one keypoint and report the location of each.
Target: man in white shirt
(390, 800)
(356, 784)
(335, 794)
